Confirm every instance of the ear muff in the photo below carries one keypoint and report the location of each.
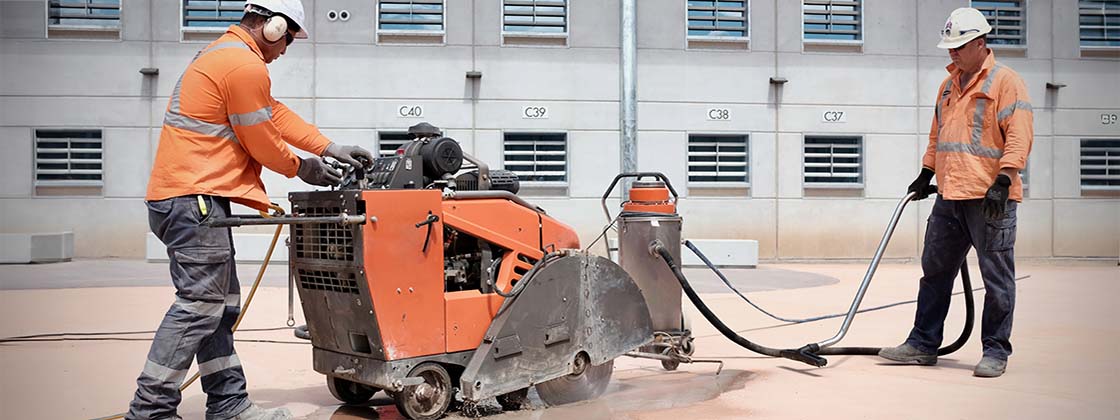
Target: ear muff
(275, 28)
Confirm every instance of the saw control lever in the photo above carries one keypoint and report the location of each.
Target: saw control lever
(432, 219)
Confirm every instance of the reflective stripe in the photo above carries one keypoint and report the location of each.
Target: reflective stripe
(981, 104)
(948, 89)
(163, 373)
(1010, 109)
(217, 365)
(199, 126)
(972, 149)
(251, 118)
(174, 116)
(233, 300)
(199, 307)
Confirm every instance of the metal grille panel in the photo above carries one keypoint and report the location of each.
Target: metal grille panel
(68, 157)
(1006, 19)
(538, 16)
(1100, 164)
(834, 20)
(718, 159)
(833, 161)
(98, 13)
(331, 281)
(1100, 23)
(410, 15)
(718, 18)
(212, 13)
(323, 241)
(537, 157)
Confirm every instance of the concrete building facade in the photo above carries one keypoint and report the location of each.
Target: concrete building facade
(769, 82)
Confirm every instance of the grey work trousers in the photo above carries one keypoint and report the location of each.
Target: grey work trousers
(954, 226)
(200, 322)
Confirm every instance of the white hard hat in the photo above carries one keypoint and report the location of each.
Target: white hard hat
(964, 24)
(293, 9)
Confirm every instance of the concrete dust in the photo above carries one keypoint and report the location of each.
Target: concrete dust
(632, 391)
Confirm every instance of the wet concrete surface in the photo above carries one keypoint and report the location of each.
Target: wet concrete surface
(86, 273)
(1065, 340)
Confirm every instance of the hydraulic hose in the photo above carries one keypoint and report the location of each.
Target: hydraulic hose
(656, 247)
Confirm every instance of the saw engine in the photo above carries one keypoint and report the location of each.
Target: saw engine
(426, 276)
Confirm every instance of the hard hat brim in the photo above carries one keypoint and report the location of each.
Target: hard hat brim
(950, 43)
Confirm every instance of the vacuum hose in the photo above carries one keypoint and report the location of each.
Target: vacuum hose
(810, 353)
(805, 357)
(969, 319)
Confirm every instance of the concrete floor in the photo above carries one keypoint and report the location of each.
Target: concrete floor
(1065, 336)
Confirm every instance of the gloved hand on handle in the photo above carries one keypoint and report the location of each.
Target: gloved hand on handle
(995, 201)
(351, 155)
(315, 171)
(921, 184)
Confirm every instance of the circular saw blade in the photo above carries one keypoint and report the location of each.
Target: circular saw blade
(585, 385)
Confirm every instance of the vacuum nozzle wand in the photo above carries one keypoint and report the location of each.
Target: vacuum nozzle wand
(806, 354)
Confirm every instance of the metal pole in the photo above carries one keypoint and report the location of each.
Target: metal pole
(629, 100)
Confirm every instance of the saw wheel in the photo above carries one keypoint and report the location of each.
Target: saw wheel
(350, 392)
(584, 383)
(429, 400)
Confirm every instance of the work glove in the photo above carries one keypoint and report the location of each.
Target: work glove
(995, 201)
(315, 171)
(921, 185)
(354, 156)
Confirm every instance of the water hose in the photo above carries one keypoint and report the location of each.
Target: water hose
(244, 308)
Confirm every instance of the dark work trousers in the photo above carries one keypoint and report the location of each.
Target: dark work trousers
(199, 323)
(954, 226)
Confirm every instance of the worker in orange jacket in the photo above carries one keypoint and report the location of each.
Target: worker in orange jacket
(979, 141)
(221, 126)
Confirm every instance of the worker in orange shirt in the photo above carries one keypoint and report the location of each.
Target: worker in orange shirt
(979, 141)
(221, 126)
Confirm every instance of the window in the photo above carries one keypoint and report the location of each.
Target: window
(833, 161)
(68, 158)
(1100, 23)
(410, 15)
(212, 14)
(85, 13)
(718, 159)
(833, 20)
(537, 157)
(1100, 164)
(389, 142)
(1006, 18)
(718, 19)
(535, 16)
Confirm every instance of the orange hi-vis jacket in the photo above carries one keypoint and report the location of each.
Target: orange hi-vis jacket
(222, 124)
(978, 130)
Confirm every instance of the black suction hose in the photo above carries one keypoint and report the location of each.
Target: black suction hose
(801, 356)
(970, 319)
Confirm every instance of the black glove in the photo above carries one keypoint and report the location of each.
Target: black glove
(315, 171)
(995, 201)
(351, 155)
(921, 185)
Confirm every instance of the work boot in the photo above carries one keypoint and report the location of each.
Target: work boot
(989, 367)
(905, 353)
(255, 412)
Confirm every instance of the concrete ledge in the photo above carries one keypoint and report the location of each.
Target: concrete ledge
(722, 253)
(249, 247)
(23, 248)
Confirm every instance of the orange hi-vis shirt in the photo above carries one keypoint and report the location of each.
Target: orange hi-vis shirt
(978, 130)
(222, 124)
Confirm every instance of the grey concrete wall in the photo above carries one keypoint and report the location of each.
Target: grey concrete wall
(350, 85)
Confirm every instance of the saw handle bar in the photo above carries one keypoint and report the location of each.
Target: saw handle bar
(638, 175)
(247, 220)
